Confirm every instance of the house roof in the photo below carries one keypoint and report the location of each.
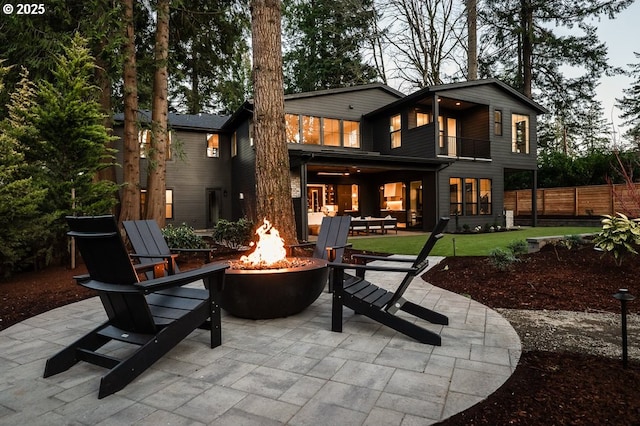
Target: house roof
(246, 109)
(212, 122)
(441, 89)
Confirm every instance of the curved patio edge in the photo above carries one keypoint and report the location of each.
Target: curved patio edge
(290, 370)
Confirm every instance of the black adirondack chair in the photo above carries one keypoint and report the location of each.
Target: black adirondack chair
(380, 304)
(154, 315)
(331, 242)
(149, 245)
(332, 239)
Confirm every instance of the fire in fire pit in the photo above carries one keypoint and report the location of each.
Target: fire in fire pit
(269, 252)
(267, 284)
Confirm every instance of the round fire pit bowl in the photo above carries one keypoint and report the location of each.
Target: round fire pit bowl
(273, 293)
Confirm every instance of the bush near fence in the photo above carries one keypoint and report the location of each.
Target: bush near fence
(577, 201)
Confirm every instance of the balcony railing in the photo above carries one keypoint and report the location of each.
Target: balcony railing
(452, 146)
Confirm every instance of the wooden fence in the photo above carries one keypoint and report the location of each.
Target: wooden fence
(595, 200)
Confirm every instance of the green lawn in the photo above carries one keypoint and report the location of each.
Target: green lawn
(465, 244)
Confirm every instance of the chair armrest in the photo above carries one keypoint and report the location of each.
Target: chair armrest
(157, 283)
(151, 256)
(181, 278)
(384, 258)
(342, 246)
(343, 266)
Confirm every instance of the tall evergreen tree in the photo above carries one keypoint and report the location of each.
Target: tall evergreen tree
(158, 152)
(23, 226)
(72, 139)
(208, 41)
(273, 183)
(524, 45)
(324, 44)
(629, 104)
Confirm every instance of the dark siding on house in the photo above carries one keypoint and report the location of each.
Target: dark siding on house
(190, 177)
(243, 174)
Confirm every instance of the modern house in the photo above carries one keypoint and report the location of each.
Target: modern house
(365, 151)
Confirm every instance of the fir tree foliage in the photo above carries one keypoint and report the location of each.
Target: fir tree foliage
(325, 41)
(73, 137)
(22, 224)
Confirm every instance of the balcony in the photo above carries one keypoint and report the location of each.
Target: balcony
(465, 148)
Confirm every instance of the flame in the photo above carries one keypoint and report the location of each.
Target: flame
(269, 248)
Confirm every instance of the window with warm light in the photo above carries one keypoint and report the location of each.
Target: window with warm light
(520, 133)
(213, 145)
(144, 140)
(292, 123)
(330, 132)
(234, 144)
(396, 131)
(168, 203)
(422, 118)
(455, 196)
(485, 196)
(310, 130)
(470, 196)
(351, 134)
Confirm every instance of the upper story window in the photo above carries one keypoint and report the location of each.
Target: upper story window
(292, 123)
(322, 131)
(497, 122)
(351, 134)
(310, 130)
(396, 131)
(422, 118)
(144, 139)
(520, 133)
(330, 132)
(213, 145)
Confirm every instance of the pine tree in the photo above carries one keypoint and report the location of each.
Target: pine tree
(324, 42)
(630, 105)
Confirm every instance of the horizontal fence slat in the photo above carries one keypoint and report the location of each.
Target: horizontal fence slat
(593, 200)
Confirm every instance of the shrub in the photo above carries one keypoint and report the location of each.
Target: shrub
(502, 258)
(183, 236)
(233, 234)
(619, 236)
(571, 241)
(518, 247)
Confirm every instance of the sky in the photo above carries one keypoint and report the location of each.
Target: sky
(622, 37)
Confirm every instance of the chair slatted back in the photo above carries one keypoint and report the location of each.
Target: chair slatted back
(107, 261)
(334, 232)
(421, 261)
(146, 237)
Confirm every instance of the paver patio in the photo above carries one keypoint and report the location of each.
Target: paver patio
(291, 370)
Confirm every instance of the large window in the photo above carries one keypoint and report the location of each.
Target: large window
(455, 196)
(469, 196)
(520, 133)
(213, 145)
(330, 132)
(322, 131)
(396, 131)
(168, 203)
(351, 134)
(310, 130)
(485, 196)
(292, 123)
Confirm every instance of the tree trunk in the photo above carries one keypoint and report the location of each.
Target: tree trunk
(130, 204)
(156, 184)
(472, 33)
(273, 180)
(527, 47)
